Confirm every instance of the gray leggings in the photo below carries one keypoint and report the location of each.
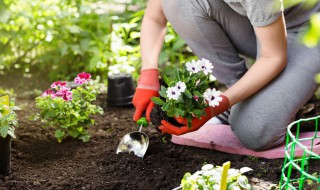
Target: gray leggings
(215, 32)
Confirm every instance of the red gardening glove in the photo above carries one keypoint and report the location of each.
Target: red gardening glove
(148, 87)
(196, 123)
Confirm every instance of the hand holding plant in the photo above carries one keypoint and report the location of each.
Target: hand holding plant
(69, 110)
(189, 99)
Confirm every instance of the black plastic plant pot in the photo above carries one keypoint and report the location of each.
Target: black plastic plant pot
(120, 90)
(5, 155)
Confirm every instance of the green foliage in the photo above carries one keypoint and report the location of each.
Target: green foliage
(312, 37)
(8, 119)
(9, 92)
(70, 117)
(209, 177)
(175, 51)
(63, 38)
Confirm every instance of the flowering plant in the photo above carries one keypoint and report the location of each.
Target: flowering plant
(69, 109)
(209, 177)
(8, 117)
(188, 93)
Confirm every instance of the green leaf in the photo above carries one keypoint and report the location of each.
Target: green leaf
(74, 133)
(317, 77)
(85, 138)
(166, 80)
(74, 29)
(189, 119)
(197, 112)
(197, 93)
(51, 113)
(165, 107)
(158, 101)
(178, 44)
(187, 93)
(178, 112)
(4, 130)
(163, 94)
(59, 135)
(188, 103)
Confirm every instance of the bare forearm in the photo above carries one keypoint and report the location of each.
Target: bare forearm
(272, 61)
(260, 74)
(153, 31)
(152, 37)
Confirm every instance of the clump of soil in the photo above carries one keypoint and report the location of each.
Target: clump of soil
(157, 115)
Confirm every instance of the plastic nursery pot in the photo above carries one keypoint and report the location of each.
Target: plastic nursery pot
(5, 155)
(296, 171)
(120, 90)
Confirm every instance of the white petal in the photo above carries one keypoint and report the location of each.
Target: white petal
(245, 169)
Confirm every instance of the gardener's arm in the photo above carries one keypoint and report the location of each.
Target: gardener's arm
(272, 60)
(153, 31)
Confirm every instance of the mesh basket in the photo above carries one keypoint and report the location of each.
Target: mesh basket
(297, 170)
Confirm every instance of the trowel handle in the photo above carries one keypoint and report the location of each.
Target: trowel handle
(143, 120)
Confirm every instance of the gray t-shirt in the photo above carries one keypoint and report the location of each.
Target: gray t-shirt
(264, 12)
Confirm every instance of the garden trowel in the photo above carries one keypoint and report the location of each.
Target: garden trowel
(135, 142)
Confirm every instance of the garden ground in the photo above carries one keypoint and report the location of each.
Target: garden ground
(40, 162)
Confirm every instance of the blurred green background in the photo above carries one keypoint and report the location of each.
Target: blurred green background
(48, 40)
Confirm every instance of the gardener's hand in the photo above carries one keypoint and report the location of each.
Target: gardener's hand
(196, 123)
(148, 87)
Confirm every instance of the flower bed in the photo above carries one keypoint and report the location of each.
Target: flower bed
(40, 162)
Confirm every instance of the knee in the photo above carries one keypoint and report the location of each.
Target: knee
(258, 133)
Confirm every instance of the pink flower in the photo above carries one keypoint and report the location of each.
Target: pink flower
(47, 92)
(82, 78)
(58, 84)
(53, 96)
(196, 98)
(67, 96)
(62, 91)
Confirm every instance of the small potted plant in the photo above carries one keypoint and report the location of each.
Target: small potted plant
(186, 95)
(69, 110)
(8, 122)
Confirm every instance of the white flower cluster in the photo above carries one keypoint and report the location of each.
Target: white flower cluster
(174, 92)
(202, 65)
(209, 177)
(212, 96)
(120, 68)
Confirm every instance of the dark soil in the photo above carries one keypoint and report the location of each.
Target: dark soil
(40, 162)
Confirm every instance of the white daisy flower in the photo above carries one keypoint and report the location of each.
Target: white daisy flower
(173, 93)
(206, 66)
(212, 96)
(181, 86)
(193, 66)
